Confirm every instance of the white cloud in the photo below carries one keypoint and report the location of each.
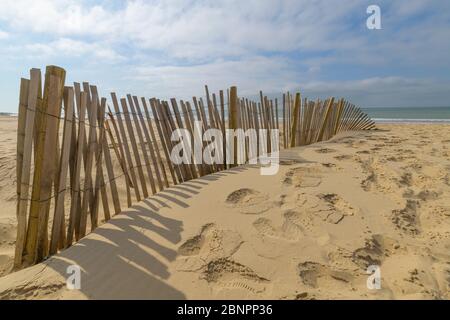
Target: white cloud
(174, 47)
(188, 29)
(4, 35)
(200, 31)
(59, 17)
(382, 91)
(72, 48)
(249, 74)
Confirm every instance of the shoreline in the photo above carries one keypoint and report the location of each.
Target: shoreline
(411, 121)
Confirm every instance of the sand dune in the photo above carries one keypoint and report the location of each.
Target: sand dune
(310, 232)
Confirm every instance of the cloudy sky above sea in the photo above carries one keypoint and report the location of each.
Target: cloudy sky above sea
(173, 48)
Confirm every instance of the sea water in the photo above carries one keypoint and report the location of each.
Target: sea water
(409, 115)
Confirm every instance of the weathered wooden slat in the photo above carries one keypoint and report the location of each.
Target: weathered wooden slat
(295, 116)
(202, 168)
(218, 125)
(149, 142)
(163, 138)
(209, 124)
(327, 116)
(189, 174)
(100, 186)
(111, 176)
(154, 142)
(120, 154)
(234, 121)
(58, 218)
(21, 125)
(38, 114)
(125, 146)
(202, 117)
(90, 159)
(30, 103)
(75, 204)
(224, 138)
(131, 137)
(168, 126)
(190, 128)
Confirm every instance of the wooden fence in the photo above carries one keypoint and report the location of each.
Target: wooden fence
(82, 158)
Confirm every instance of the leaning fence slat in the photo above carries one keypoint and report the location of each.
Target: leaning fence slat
(168, 126)
(21, 125)
(189, 174)
(153, 143)
(75, 205)
(189, 127)
(134, 147)
(99, 178)
(138, 129)
(149, 142)
(163, 137)
(111, 177)
(92, 142)
(327, 116)
(58, 218)
(125, 146)
(25, 171)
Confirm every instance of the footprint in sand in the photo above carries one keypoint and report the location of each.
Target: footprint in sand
(210, 244)
(289, 162)
(407, 219)
(306, 177)
(290, 230)
(226, 274)
(329, 165)
(325, 150)
(375, 250)
(249, 201)
(316, 275)
(371, 178)
(337, 208)
(406, 179)
(424, 195)
(343, 157)
(446, 179)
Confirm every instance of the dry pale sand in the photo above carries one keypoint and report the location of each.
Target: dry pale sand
(309, 232)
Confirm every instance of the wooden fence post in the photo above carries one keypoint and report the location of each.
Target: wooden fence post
(295, 115)
(234, 121)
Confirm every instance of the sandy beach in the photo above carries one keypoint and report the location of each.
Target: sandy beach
(309, 232)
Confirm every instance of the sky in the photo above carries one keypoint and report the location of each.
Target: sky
(173, 48)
